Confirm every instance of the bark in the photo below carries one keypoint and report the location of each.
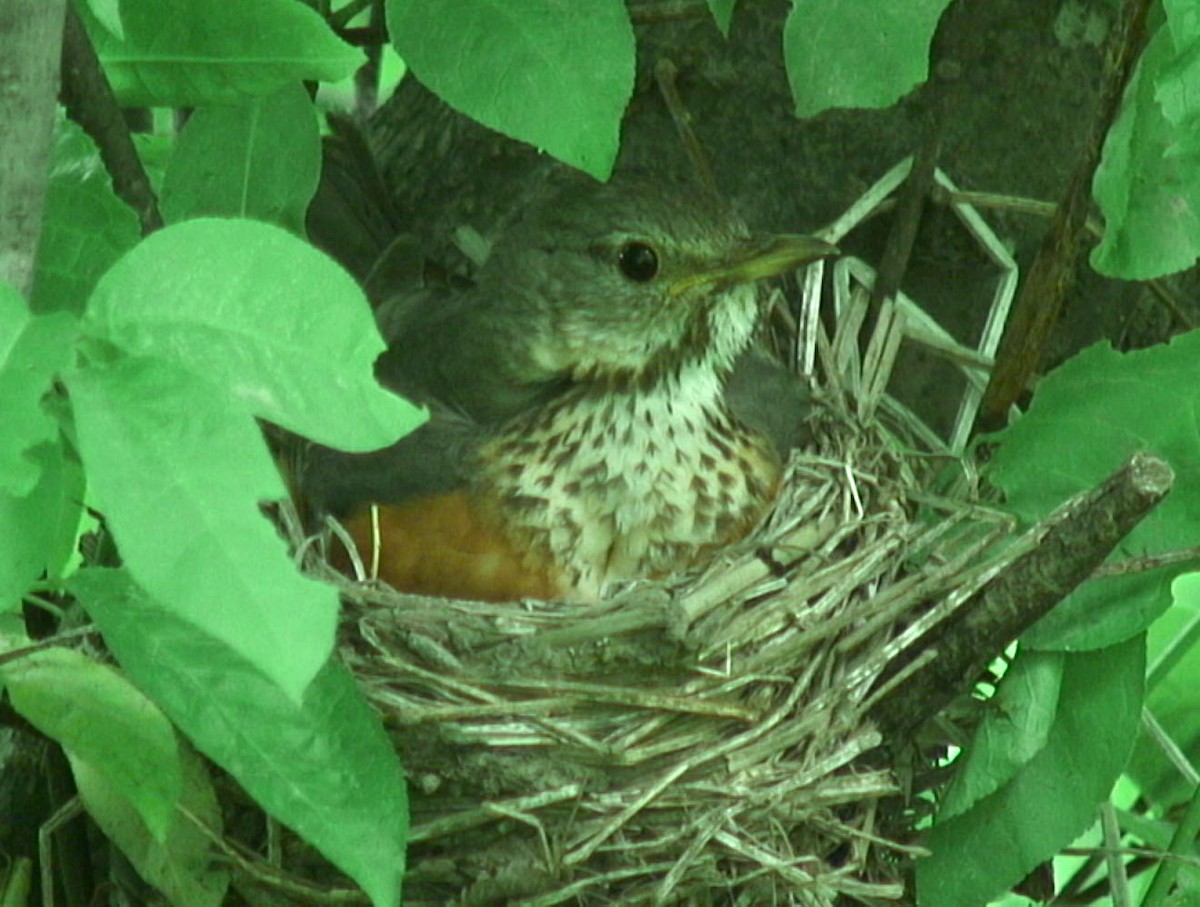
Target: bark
(30, 38)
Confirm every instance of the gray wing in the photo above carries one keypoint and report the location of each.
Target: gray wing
(433, 459)
(771, 400)
(436, 356)
(448, 345)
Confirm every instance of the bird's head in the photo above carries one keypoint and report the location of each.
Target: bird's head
(627, 279)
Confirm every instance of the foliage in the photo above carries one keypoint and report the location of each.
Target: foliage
(555, 75)
(1045, 795)
(1171, 687)
(144, 365)
(130, 770)
(1148, 183)
(133, 377)
(85, 228)
(848, 54)
(184, 53)
(260, 159)
(1087, 418)
(558, 76)
(1029, 784)
(329, 744)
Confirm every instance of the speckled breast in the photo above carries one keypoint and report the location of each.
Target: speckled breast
(627, 484)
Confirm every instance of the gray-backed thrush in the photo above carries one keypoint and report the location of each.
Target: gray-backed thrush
(597, 413)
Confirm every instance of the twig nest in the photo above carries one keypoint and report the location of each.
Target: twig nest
(696, 743)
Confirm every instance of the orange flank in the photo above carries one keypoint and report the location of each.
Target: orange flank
(437, 545)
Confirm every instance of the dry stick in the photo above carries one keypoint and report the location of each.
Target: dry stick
(910, 207)
(1041, 297)
(366, 77)
(90, 102)
(1037, 208)
(30, 32)
(1118, 880)
(1147, 562)
(666, 73)
(1075, 540)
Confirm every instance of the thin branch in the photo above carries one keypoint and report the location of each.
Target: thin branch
(1118, 881)
(1168, 747)
(1181, 843)
(1149, 562)
(906, 220)
(90, 102)
(342, 18)
(1173, 652)
(1034, 207)
(666, 74)
(1045, 286)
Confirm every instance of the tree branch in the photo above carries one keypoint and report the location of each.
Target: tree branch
(1074, 540)
(90, 102)
(30, 36)
(1044, 288)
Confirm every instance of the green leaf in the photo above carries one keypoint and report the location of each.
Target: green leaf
(722, 13)
(1148, 182)
(185, 53)
(85, 227)
(1172, 696)
(1176, 83)
(182, 866)
(260, 159)
(39, 528)
(1087, 417)
(555, 75)
(263, 315)
(1155, 833)
(178, 472)
(857, 53)
(108, 14)
(981, 853)
(33, 348)
(1015, 728)
(100, 717)
(323, 766)
(1158, 834)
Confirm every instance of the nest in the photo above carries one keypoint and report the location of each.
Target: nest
(715, 740)
(708, 742)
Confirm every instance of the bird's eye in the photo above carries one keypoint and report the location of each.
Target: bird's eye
(638, 261)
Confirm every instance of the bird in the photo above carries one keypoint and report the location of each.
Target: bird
(598, 413)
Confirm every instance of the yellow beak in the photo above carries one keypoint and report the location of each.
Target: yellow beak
(758, 258)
